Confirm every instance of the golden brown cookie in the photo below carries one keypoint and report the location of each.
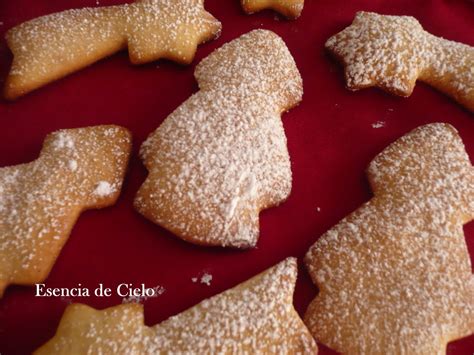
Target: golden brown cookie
(392, 52)
(78, 169)
(256, 316)
(395, 276)
(289, 8)
(221, 156)
(50, 47)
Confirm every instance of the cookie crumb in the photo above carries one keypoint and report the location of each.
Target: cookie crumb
(158, 290)
(378, 124)
(206, 279)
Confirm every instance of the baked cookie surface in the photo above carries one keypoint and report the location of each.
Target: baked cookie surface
(392, 52)
(221, 156)
(50, 47)
(256, 316)
(78, 169)
(395, 275)
(289, 8)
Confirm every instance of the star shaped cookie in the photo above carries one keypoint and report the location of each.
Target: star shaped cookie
(50, 47)
(392, 52)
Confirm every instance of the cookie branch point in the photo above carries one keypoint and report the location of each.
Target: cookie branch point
(392, 52)
(41, 201)
(50, 47)
(256, 316)
(395, 275)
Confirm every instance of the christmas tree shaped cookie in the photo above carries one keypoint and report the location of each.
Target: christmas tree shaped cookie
(256, 316)
(395, 276)
(78, 169)
(50, 47)
(221, 156)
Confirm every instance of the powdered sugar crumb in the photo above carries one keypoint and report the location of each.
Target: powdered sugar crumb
(378, 124)
(72, 165)
(64, 141)
(206, 279)
(103, 189)
(157, 291)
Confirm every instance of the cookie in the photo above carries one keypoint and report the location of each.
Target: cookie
(289, 8)
(78, 169)
(50, 47)
(395, 276)
(392, 52)
(221, 156)
(256, 316)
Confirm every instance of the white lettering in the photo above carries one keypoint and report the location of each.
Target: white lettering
(43, 291)
(39, 289)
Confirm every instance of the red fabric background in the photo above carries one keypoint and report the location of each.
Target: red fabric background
(330, 138)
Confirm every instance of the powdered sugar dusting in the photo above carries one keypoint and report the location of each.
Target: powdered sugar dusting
(256, 316)
(104, 188)
(157, 291)
(72, 164)
(40, 201)
(395, 275)
(221, 156)
(54, 45)
(393, 51)
(64, 141)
